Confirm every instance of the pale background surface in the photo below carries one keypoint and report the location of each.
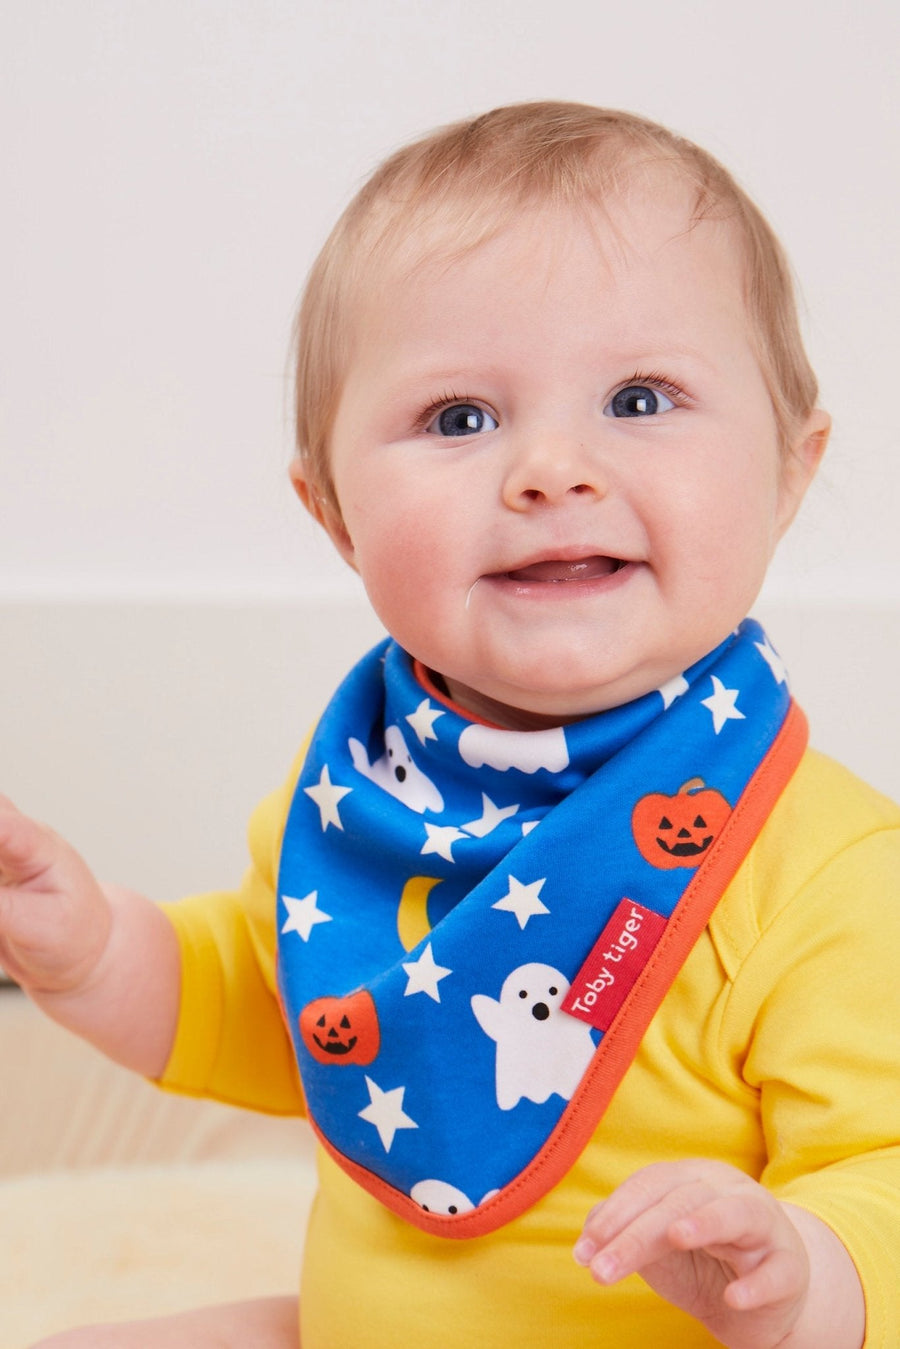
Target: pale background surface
(169, 621)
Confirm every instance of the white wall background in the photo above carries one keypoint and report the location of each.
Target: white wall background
(169, 170)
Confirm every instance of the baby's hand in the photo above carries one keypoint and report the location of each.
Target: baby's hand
(54, 916)
(101, 960)
(709, 1240)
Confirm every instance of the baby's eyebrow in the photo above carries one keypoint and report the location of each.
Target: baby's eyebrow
(433, 382)
(662, 356)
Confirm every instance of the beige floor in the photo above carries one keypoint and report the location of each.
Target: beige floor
(118, 1201)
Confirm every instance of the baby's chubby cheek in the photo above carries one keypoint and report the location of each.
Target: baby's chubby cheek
(398, 577)
(407, 556)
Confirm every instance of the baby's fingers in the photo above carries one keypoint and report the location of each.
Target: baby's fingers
(758, 1240)
(669, 1190)
(26, 848)
(633, 1229)
(54, 919)
(777, 1281)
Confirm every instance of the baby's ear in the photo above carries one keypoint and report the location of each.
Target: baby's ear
(322, 508)
(801, 460)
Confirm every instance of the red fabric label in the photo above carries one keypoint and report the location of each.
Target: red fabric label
(610, 971)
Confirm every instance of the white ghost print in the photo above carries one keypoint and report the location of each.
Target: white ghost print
(438, 1196)
(540, 1049)
(396, 773)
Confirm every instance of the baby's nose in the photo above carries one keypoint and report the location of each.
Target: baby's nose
(553, 469)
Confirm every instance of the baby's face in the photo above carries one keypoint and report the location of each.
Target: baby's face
(557, 460)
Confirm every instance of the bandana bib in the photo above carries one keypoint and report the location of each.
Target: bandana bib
(476, 926)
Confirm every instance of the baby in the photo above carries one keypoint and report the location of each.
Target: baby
(574, 943)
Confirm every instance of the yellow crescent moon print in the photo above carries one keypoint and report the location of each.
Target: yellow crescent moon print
(412, 915)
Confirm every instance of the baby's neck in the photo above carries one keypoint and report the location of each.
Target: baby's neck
(475, 706)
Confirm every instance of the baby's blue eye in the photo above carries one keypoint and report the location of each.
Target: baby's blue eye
(462, 419)
(637, 400)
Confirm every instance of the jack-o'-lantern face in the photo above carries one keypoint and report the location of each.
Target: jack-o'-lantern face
(341, 1030)
(678, 831)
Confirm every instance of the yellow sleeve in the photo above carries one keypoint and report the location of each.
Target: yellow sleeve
(231, 1041)
(819, 986)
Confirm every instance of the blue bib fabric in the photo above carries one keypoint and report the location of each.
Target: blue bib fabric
(443, 882)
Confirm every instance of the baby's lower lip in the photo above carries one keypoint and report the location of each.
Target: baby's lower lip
(557, 571)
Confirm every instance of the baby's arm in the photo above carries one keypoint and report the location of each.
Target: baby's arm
(757, 1273)
(100, 960)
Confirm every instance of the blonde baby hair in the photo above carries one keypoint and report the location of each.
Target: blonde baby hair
(458, 186)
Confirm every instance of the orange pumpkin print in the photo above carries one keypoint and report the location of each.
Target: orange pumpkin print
(341, 1030)
(677, 831)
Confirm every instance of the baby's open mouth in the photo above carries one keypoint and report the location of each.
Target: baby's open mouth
(557, 571)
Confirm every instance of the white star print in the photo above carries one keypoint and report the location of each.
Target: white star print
(326, 795)
(491, 816)
(303, 914)
(528, 825)
(385, 1111)
(522, 900)
(425, 975)
(722, 704)
(423, 719)
(672, 689)
(440, 840)
(773, 660)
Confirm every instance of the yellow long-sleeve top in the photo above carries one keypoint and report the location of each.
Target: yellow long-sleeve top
(777, 1050)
